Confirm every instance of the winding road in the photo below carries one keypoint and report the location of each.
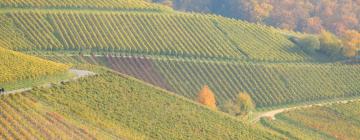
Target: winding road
(272, 113)
(78, 73)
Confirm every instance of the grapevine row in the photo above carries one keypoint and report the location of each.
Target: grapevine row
(20, 119)
(268, 84)
(16, 66)
(164, 34)
(85, 4)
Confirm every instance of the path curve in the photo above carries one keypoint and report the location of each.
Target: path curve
(272, 113)
(78, 73)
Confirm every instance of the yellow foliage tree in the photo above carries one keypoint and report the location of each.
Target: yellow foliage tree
(245, 102)
(351, 40)
(241, 106)
(330, 44)
(207, 97)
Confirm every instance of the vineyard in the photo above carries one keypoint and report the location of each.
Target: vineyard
(21, 117)
(130, 5)
(154, 34)
(268, 84)
(128, 108)
(327, 122)
(261, 42)
(159, 60)
(15, 66)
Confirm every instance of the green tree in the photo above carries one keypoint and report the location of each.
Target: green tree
(330, 44)
(309, 44)
(242, 105)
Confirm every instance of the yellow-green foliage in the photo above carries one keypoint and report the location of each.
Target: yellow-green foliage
(339, 121)
(268, 84)
(17, 66)
(10, 37)
(85, 4)
(22, 117)
(115, 104)
(152, 33)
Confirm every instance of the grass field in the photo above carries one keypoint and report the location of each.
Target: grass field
(339, 121)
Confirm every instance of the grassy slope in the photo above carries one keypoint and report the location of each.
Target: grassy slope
(128, 108)
(327, 122)
(17, 67)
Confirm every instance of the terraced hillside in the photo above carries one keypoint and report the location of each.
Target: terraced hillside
(16, 66)
(109, 106)
(23, 117)
(186, 51)
(327, 122)
(147, 33)
(178, 52)
(269, 84)
(129, 5)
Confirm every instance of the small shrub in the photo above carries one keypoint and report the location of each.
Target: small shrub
(309, 44)
(242, 105)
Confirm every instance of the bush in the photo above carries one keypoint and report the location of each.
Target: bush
(309, 44)
(330, 45)
(241, 106)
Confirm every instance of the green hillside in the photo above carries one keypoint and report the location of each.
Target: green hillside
(269, 84)
(148, 33)
(119, 107)
(187, 51)
(23, 117)
(327, 122)
(162, 59)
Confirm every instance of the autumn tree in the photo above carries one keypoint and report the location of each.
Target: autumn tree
(330, 44)
(260, 11)
(311, 16)
(313, 25)
(309, 44)
(207, 97)
(242, 105)
(245, 102)
(351, 41)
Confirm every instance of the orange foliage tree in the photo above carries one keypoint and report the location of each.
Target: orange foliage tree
(207, 97)
(351, 40)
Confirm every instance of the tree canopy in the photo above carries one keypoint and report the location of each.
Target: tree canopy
(207, 97)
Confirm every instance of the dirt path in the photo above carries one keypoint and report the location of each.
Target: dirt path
(78, 73)
(272, 113)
